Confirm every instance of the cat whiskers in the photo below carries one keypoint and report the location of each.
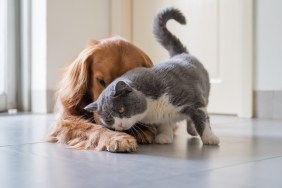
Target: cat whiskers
(91, 119)
(141, 132)
(83, 117)
(145, 125)
(111, 113)
(136, 133)
(133, 131)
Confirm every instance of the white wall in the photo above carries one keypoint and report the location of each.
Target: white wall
(71, 24)
(60, 30)
(268, 65)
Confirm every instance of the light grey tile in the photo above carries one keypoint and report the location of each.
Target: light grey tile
(186, 154)
(277, 109)
(23, 128)
(31, 171)
(25, 170)
(258, 174)
(264, 104)
(184, 163)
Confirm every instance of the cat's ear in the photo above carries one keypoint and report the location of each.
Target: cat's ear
(122, 88)
(91, 107)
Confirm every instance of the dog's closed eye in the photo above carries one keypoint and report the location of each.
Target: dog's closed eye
(101, 81)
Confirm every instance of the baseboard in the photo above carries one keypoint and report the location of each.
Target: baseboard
(268, 104)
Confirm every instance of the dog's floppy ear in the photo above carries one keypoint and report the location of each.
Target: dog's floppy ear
(76, 80)
(91, 107)
(147, 61)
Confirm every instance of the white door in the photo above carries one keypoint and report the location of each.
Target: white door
(219, 33)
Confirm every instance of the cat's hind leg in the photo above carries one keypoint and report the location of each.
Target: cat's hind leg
(191, 127)
(200, 118)
(164, 134)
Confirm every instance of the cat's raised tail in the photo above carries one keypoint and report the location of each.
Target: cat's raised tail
(169, 41)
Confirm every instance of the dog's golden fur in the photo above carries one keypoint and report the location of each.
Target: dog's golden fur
(85, 78)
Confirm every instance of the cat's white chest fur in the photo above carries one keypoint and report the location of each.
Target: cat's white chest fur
(162, 111)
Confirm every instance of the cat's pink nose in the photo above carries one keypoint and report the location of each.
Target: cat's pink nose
(120, 126)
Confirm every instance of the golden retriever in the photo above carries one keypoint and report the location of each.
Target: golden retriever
(85, 78)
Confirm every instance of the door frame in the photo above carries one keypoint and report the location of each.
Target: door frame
(246, 66)
(121, 24)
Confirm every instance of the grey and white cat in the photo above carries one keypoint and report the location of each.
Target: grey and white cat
(174, 90)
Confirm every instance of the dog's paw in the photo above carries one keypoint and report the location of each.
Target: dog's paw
(163, 139)
(210, 139)
(122, 143)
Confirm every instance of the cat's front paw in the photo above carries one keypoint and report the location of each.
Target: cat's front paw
(163, 139)
(210, 139)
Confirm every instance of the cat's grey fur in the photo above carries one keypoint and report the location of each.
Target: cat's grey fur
(173, 90)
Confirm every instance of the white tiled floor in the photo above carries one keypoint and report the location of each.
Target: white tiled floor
(250, 155)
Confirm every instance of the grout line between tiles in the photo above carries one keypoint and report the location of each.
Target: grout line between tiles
(54, 157)
(212, 169)
(44, 156)
(21, 144)
(238, 164)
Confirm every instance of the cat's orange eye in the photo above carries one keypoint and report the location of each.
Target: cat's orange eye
(121, 110)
